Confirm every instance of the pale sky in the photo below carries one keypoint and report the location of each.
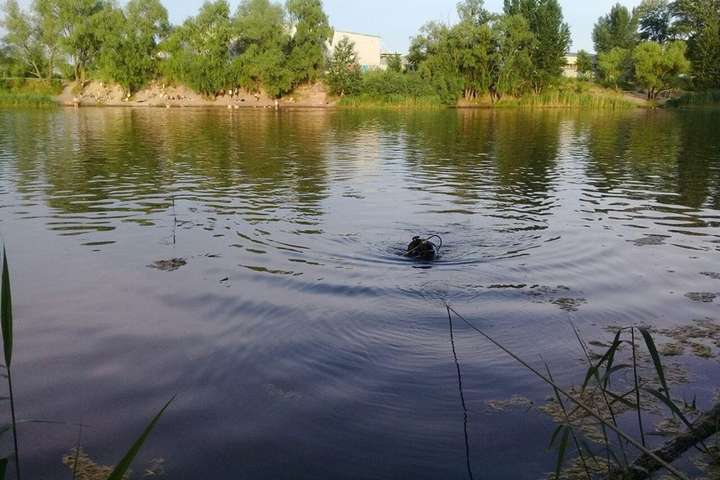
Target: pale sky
(398, 20)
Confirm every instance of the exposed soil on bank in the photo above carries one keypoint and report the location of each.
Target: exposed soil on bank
(157, 94)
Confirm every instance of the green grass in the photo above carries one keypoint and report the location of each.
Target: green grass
(570, 99)
(391, 102)
(707, 98)
(22, 92)
(20, 99)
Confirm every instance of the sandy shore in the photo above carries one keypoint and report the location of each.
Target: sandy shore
(96, 93)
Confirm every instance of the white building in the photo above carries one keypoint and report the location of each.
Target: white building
(367, 47)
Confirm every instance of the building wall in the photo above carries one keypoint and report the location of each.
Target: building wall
(570, 70)
(367, 48)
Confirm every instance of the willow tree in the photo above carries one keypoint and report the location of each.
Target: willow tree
(129, 53)
(699, 22)
(552, 38)
(260, 40)
(21, 39)
(308, 46)
(199, 51)
(659, 67)
(617, 29)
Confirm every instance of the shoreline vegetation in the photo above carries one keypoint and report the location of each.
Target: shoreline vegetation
(570, 94)
(269, 54)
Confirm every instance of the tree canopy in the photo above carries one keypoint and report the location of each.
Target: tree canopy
(617, 29)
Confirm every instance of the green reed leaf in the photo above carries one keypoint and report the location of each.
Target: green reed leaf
(6, 311)
(121, 469)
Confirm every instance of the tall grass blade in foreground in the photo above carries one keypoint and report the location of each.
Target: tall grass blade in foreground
(121, 469)
(6, 322)
(572, 398)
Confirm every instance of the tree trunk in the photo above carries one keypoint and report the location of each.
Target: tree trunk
(702, 429)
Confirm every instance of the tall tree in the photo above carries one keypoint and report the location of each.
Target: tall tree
(699, 22)
(658, 67)
(311, 34)
(655, 20)
(512, 65)
(130, 46)
(552, 37)
(49, 32)
(22, 39)
(618, 29)
(81, 26)
(259, 48)
(344, 70)
(199, 51)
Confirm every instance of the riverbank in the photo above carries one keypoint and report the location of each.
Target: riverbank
(156, 94)
(569, 94)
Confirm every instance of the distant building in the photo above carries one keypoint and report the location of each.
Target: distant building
(367, 47)
(570, 70)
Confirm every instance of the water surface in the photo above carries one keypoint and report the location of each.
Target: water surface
(301, 344)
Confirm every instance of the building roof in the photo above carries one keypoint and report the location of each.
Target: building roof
(358, 33)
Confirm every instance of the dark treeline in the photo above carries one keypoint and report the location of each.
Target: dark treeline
(274, 48)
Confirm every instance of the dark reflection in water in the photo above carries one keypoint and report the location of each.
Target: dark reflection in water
(303, 345)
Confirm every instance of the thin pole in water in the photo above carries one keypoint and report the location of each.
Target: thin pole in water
(462, 397)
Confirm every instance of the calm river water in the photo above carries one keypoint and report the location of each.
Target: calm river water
(300, 343)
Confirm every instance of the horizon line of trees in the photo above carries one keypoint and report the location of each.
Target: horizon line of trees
(274, 48)
(262, 45)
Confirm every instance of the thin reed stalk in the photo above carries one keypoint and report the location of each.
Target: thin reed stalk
(581, 404)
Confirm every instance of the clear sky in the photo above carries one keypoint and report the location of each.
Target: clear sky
(398, 20)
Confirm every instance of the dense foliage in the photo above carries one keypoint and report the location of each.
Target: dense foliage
(268, 47)
(660, 45)
(262, 46)
(523, 49)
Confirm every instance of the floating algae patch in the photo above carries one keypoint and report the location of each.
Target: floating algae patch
(514, 402)
(85, 468)
(701, 338)
(702, 297)
(169, 265)
(649, 240)
(576, 469)
(708, 463)
(671, 349)
(559, 296)
(713, 275)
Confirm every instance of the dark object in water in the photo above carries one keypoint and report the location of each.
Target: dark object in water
(423, 248)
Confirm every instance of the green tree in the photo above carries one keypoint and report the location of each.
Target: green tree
(82, 25)
(585, 63)
(552, 38)
(199, 50)
(655, 20)
(308, 46)
(259, 48)
(130, 46)
(699, 22)
(512, 62)
(658, 67)
(22, 39)
(618, 29)
(614, 66)
(343, 74)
